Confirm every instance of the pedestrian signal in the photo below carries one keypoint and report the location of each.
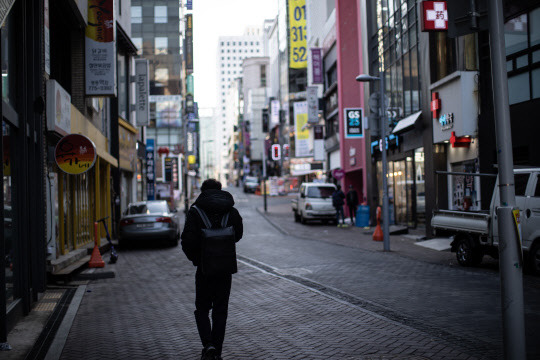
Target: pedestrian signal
(276, 152)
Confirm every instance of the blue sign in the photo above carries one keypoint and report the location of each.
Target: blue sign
(150, 170)
(189, 4)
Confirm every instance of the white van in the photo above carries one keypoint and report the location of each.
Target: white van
(314, 202)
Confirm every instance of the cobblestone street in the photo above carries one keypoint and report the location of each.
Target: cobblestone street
(297, 297)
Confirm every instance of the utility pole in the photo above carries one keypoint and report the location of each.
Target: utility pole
(186, 200)
(511, 257)
(264, 175)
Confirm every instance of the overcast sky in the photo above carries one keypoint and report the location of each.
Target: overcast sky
(215, 18)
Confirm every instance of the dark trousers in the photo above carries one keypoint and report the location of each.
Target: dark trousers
(339, 211)
(212, 293)
(352, 212)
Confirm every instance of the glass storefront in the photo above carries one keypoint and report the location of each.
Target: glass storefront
(10, 211)
(405, 189)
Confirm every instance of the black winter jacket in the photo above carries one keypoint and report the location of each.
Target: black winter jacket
(215, 204)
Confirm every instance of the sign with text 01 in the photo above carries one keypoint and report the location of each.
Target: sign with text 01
(276, 152)
(353, 122)
(298, 34)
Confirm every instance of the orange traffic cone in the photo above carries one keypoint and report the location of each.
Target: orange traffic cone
(378, 233)
(95, 260)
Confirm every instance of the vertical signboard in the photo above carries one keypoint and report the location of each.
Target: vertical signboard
(301, 133)
(143, 91)
(318, 143)
(189, 43)
(312, 104)
(317, 65)
(274, 113)
(353, 119)
(298, 34)
(150, 170)
(58, 108)
(190, 87)
(46, 37)
(189, 4)
(100, 49)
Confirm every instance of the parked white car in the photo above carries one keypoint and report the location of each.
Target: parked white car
(314, 202)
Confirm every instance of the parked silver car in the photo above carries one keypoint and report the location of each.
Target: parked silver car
(149, 221)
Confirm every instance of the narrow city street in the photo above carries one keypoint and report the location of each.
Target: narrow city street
(302, 292)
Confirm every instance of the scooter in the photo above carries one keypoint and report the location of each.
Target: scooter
(114, 255)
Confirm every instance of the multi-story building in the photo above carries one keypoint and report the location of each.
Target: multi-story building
(231, 51)
(156, 28)
(207, 144)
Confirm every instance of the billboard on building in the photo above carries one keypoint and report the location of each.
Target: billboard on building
(189, 43)
(100, 49)
(353, 119)
(301, 132)
(168, 110)
(297, 34)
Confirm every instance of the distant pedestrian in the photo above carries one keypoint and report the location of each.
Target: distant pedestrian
(337, 201)
(214, 255)
(352, 203)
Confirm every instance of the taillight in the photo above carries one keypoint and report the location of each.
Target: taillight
(126, 222)
(164, 219)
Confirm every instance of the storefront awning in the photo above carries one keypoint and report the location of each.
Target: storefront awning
(407, 122)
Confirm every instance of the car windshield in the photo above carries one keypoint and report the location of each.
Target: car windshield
(320, 191)
(252, 179)
(148, 208)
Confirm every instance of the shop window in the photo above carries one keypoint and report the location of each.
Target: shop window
(518, 88)
(8, 62)
(161, 75)
(10, 211)
(138, 42)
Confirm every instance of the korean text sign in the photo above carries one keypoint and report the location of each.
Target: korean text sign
(100, 48)
(298, 34)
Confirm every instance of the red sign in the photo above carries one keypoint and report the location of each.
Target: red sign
(435, 105)
(434, 16)
(338, 174)
(75, 154)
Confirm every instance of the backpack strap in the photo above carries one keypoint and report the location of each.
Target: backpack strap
(203, 216)
(225, 220)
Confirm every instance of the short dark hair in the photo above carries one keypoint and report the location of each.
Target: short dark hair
(210, 184)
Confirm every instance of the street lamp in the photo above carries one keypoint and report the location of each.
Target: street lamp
(382, 122)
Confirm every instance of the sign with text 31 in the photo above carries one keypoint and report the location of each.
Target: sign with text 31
(298, 34)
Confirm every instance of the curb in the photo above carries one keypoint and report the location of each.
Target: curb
(279, 228)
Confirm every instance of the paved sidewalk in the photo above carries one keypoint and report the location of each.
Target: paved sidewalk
(146, 312)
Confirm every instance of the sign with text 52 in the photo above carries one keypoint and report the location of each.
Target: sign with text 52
(298, 34)
(353, 122)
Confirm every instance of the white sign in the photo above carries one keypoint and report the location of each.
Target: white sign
(313, 105)
(274, 114)
(58, 108)
(143, 89)
(100, 56)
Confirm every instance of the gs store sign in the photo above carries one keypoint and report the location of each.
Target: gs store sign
(353, 123)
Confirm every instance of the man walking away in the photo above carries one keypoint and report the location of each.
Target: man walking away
(214, 255)
(337, 201)
(352, 203)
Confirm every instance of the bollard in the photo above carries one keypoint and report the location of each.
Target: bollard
(378, 233)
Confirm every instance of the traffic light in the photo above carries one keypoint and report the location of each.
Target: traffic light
(276, 152)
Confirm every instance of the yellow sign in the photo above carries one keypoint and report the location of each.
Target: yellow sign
(301, 120)
(192, 159)
(298, 34)
(517, 221)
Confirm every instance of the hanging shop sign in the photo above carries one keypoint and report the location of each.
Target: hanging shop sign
(274, 113)
(189, 4)
(100, 49)
(143, 91)
(150, 170)
(298, 34)
(338, 174)
(58, 108)
(188, 45)
(318, 143)
(353, 123)
(312, 104)
(75, 154)
(301, 132)
(434, 16)
(317, 65)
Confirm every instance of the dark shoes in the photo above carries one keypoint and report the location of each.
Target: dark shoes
(209, 353)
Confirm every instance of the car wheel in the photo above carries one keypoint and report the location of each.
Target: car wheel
(467, 253)
(296, 217)
(534, 259)
(303, 219)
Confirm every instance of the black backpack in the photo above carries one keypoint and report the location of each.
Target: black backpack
(218, 250)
